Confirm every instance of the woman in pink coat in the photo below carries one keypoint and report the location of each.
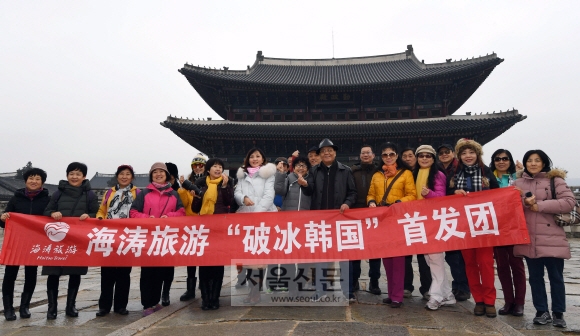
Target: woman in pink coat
(548, 245)
(158, 200)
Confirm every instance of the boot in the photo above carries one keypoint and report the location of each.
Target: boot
(205, 294)
(165, 295)
(374, 287)
(25, 304)
(9, 308)
(52, 304)
(215, 294)
(71, 299)
(190, 292)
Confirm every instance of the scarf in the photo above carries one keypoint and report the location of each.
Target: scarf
(161, 186)
(121, 203)
(390, 170)
(421, 181)
(252, 171)
(472, 172)
(210, 197)
(32, 194)
(510, 178)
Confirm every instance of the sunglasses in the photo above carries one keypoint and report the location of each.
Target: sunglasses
(424, 156)
(197, 165)
(503, 158)
(444, 152)
(389, 155)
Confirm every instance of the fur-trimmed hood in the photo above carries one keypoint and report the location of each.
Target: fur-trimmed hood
(265, 171)
(554, 172)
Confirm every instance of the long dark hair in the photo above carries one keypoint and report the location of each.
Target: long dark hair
(511, 168)
(432, 172)
(400, 163)
(543, 156)
(250, 152)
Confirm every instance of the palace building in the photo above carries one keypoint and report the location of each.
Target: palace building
(282, 105)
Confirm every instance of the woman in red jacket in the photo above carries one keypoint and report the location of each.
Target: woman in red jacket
(158, 200)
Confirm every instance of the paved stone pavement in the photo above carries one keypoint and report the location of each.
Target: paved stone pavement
(365, 317)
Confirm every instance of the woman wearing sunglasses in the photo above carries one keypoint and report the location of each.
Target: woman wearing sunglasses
(397, 174)
(510, 269)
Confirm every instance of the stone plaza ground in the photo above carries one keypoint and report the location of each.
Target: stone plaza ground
(368, 316)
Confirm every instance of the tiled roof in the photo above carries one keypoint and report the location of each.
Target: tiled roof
(99, 181)
(455, 124)
(397, 69)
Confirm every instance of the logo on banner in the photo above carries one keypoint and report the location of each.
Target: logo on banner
(56, 231)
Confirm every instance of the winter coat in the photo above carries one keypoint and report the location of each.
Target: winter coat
(402, 190)
(259, 188)
(294, 196)
(440, 186)
(64, 202)
(187, 201)
(493, 184)
(152, 202)
(546, 238)
(224, 200)
(344, 187)
(19, 203)
(106, 202)
(363, 174)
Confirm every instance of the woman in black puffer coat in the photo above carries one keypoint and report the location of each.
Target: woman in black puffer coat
(74, 198)
(30, 200)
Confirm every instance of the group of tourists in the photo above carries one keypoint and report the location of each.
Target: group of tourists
(319, 182)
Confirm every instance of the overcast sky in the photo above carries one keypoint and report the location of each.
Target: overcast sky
(91, 81)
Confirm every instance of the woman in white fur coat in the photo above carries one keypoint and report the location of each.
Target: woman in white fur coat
(255, 193)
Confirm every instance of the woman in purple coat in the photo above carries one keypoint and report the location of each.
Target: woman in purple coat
(548, 245)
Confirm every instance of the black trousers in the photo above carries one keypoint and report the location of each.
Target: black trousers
(424, 274)
(10, 273)
(115, 285)
(191, 271)
(211, 277)
(74, 281)
(151, 283)
(457, 266)
(167, 278)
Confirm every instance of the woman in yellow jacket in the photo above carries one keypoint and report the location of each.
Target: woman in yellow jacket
(116, 205)
(396, 172)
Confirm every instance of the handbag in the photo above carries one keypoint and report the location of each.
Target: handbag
(383, 201)
(568, 218)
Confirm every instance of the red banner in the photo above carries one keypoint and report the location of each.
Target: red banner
(488, 218)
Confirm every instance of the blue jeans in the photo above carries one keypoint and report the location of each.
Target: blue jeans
(555, 268)
(457, 266)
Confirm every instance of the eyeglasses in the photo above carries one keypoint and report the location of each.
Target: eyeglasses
(444, 152)
(389, 155)
(327, 150)
(300, 166)
(503, 158)
(425, 156)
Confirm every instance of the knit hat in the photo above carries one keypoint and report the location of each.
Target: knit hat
(426, 149)
(172, 168)
(159, 165)
(467, 143)
(199, 159)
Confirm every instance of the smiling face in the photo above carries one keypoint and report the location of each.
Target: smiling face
(300, 168)
(313, 158)
(366, 155)
(159, 176)
(215, 171)
(198, 168)
(468, 157)
(534, 164)
(33, 183)
(409, 157)
(75, 178)
(256, 159)
(124, 178)
(502, 163)
(327, 155)
(445, 155)
(389, 156)
(425, 160)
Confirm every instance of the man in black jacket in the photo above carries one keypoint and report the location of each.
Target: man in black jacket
(332, 186)
(363, 173)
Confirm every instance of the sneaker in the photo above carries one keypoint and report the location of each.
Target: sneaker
(157, 307)
(148, 311)
(558, 322)
(542, 318)
(407, 293)
(269, 291)
(462, 296)
(426, 296)
(449, 301)
(433, 304)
